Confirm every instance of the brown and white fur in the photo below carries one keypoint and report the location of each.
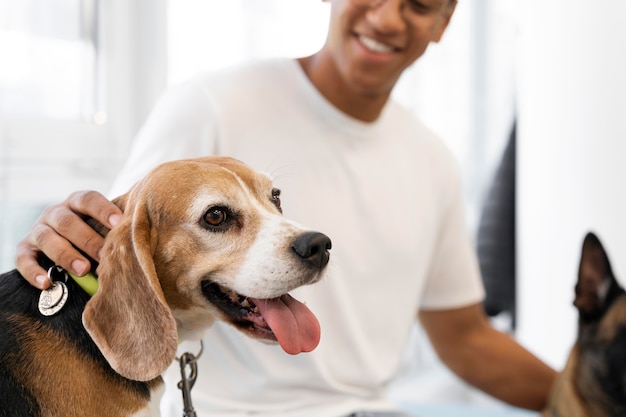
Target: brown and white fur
(200, 240)
(593, 383)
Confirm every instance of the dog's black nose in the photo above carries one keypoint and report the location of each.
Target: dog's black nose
(313, 247)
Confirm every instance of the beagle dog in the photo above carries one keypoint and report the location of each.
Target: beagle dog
(200, 240)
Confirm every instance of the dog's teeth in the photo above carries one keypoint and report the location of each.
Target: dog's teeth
(255, 310)
(234, 297)
(245, 303)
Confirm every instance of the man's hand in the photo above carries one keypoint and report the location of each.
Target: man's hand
(61, 227)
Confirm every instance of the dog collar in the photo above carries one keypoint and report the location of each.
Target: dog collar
(89, 282)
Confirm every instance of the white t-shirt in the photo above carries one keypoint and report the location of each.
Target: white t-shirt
(388, 195)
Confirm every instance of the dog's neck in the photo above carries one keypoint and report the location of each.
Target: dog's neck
(592, 392)
(565, 387)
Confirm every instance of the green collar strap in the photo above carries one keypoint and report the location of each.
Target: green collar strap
(89, 283)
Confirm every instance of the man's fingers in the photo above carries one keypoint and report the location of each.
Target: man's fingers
(60, 230)
(56, 245)
(26, 259)
(60, 227)
(96, 206)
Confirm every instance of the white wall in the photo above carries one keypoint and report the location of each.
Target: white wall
(571, 150)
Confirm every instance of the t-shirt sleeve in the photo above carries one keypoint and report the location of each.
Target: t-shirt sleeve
(181, 125)
(454, 277)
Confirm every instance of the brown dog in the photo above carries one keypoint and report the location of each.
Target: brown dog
(593, 383)
(200, 240)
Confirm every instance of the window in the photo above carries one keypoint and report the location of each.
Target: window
(68, 106)
(54, 65)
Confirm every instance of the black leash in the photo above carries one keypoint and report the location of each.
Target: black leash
(189, 360)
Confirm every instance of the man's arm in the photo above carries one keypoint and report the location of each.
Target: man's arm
(486, 358)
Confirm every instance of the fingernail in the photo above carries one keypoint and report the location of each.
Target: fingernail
(79, 267)
(40, 280)
(114, 219)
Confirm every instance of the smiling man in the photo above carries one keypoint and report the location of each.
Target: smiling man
(357, 166)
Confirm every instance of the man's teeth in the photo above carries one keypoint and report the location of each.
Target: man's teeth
(374, 45)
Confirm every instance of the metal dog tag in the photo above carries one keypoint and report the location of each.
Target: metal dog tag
(52, 300)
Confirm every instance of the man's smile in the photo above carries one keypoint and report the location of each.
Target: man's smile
(374, 45)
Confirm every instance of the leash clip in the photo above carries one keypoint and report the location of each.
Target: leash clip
(188, 380)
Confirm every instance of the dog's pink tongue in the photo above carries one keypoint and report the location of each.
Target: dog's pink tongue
(296, 328)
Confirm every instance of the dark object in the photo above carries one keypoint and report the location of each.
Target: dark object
(496, 237)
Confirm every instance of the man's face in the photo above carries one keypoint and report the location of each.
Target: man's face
(374, 41)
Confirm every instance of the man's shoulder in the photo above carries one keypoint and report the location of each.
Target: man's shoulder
(244, 74)
(237, 85)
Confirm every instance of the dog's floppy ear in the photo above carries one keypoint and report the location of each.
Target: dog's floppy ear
(128, 318)
(597, 287)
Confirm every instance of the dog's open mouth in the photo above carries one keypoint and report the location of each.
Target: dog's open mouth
(283, 319)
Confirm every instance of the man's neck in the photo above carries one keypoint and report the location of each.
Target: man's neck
(360, 105)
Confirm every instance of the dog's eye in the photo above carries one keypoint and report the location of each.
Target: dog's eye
(276, 199)
(216, 216)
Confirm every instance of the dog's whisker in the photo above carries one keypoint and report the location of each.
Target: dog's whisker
(277, 174)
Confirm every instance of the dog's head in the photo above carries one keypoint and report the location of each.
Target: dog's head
(200, 240)
(601, 345)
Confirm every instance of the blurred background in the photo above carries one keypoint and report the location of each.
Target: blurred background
(530, 96)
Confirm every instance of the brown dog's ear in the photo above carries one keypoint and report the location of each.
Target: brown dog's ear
(597, 287)
(128, 318)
